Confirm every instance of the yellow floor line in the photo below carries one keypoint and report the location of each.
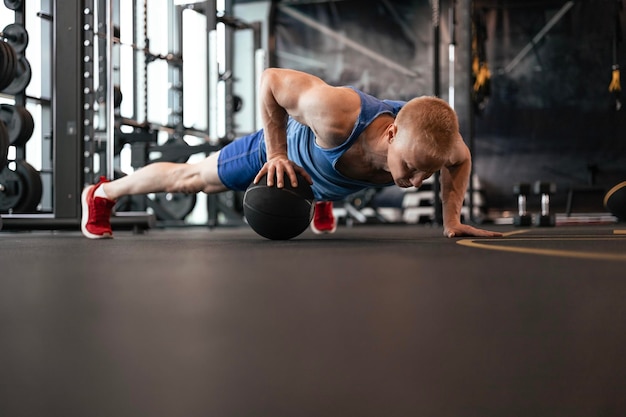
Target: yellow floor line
(544, 238)
(515, 232)
(475, 243)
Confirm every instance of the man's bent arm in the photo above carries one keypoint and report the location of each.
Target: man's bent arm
(280, 95)
(309, 100)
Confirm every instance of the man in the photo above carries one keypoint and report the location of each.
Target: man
(339, 139)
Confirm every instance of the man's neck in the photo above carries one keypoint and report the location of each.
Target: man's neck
(366, 160)
(375, 142)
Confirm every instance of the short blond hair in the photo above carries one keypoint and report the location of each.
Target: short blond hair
(432, 122)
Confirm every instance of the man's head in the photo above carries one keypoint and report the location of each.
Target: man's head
(421, 140)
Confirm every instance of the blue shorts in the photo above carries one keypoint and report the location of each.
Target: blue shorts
(240, 161)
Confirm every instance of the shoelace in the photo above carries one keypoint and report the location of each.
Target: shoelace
(324, 214)
(100, 210)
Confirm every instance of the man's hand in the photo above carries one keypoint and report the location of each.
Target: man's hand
(279, 167)
(461, 230)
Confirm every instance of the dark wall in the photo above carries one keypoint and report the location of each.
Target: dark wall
(397, 31)
(548, 114)
(551, 116)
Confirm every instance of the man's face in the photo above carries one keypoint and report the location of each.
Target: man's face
(408, 166)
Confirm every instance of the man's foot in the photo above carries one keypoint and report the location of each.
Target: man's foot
(96, 217)
(323, 220)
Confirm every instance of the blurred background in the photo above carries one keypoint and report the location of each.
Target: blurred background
(535, 84)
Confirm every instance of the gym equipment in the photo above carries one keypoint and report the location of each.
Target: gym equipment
(523, 218)
(8, 64)
(19, 123)
(20, 189)
(172, 206)
(117, 96)
(279, 213)
(166, 206)
(22, 77)
(16, 36)
(545, 189)
(13, 4)
(149, 56)
(615, 201)
(4, 145)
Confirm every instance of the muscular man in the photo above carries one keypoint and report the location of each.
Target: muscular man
(338, 138)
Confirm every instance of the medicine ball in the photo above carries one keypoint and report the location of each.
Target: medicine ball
(615, 201)
(279, 213)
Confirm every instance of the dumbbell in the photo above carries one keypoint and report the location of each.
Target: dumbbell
(13, 4)
(523, 218)
(545, 190)
(17, 36)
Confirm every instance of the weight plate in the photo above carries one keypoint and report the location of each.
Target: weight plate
(4, 145)
(20, 190)
(16, 36)
(3, 67)
(117, 96)
(22, 77)
(28, 125)
(19, 122)
(8, 66)
(172, 206)
(31, 179)
(13, 4)
(11, 190)
(12, 59)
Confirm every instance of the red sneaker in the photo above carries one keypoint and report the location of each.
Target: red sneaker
(323, 220)
(96, 217)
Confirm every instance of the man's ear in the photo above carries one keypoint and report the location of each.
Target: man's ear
(392, 131)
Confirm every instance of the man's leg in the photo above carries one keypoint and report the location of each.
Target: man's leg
(98, 200)
(168, 177)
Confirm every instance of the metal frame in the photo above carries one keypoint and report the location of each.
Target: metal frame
(67, 100)
(70, 126)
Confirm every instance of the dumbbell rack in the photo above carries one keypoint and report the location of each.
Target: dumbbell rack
(20, 183)
(70, 133)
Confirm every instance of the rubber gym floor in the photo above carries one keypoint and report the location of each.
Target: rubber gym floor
(371, 321)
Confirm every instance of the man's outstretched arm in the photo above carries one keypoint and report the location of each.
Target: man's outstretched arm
(454, 180)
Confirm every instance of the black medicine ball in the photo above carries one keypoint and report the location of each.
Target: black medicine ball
(279, 213)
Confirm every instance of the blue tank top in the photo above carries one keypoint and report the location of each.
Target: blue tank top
(328, 183)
